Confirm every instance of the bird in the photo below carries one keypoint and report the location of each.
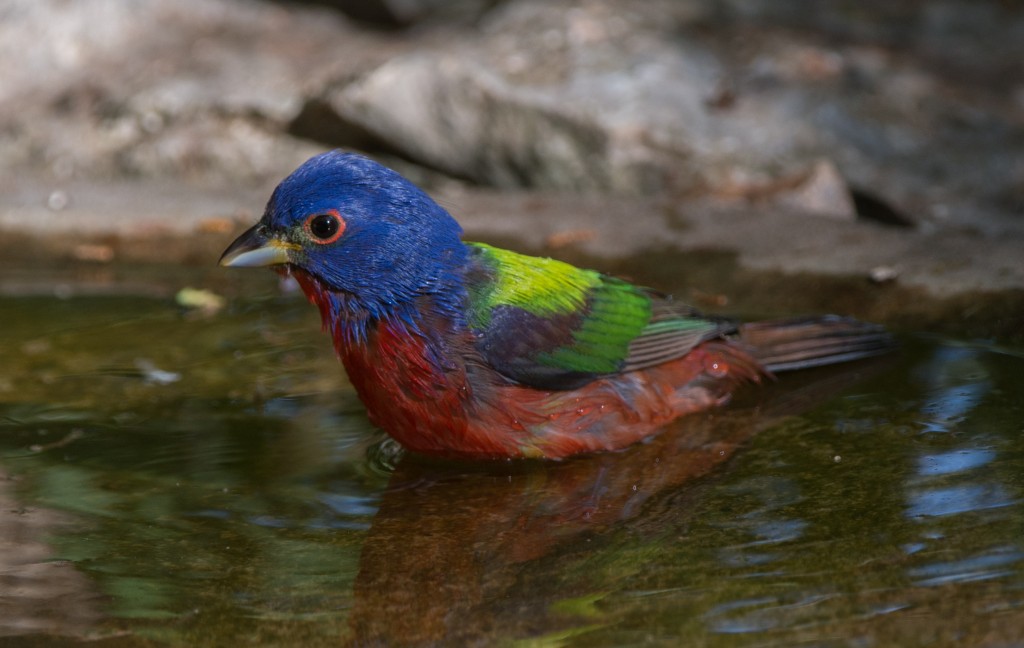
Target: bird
(465, 350)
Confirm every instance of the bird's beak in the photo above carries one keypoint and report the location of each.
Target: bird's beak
(254, 248)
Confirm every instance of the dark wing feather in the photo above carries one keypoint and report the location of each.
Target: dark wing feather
(559, 327)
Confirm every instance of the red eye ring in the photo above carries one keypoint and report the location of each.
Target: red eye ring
(324, 228)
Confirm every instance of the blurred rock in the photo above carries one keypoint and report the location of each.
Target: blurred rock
(623, 96)
(640, 96)
(196, 89)
(599, 96)
(821, 192)
(883, 274)
(403, 13)
(176, 117)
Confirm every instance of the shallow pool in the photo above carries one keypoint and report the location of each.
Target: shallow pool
(189, 479)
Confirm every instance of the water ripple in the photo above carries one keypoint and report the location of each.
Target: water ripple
(954, 461)
(974, 568)
(952, 500)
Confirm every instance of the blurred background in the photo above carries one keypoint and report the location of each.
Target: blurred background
(876, 139)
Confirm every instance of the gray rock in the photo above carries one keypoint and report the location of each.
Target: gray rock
(589, 98)
(403, 13)
(622, 96)
(822, 192)
(634, 97)
(200, 89)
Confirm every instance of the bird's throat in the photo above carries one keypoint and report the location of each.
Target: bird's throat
(351, 323)
(343, 319)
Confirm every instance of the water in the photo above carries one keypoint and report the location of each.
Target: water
(173, 478)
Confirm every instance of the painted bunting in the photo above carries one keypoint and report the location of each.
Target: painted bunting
(467, 350)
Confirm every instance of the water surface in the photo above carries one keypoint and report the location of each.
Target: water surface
(173, 478)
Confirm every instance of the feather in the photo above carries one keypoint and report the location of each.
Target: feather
(464, 349)
(802, 343)
(547, 324)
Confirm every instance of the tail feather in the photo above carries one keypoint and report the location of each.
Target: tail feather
(801, 343)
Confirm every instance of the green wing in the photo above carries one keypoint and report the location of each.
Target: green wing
(548, 324)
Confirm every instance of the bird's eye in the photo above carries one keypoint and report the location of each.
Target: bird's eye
(325, 228)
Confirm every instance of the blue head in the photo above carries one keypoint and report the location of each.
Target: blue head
(362, 230)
